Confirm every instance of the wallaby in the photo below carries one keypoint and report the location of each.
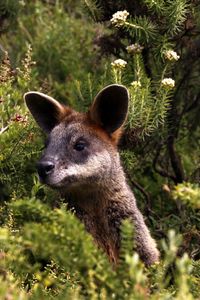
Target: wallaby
(82, 161)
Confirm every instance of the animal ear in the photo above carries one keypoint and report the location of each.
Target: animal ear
(46, 111)
(110, 107)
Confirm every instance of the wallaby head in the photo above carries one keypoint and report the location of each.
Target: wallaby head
(81, 148)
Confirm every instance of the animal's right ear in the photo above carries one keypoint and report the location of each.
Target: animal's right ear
(46, 111)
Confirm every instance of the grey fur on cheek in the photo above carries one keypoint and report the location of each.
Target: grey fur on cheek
(98, 166)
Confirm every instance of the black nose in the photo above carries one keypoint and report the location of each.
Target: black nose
(45, 168)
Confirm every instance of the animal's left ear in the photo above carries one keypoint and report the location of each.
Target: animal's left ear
(110, 107)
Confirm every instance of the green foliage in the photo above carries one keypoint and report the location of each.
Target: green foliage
(9, 11)
(61, 46)
(48, 252)
(51, 255)
(16, 131)
(150, 97)
(177, 11)
(93, 9)
(188, 193)
(45, 252)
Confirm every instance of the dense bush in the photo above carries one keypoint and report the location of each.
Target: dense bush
(54, 47)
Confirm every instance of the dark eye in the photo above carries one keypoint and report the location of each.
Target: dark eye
(80, 146)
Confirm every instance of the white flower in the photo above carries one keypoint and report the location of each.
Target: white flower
(134, 48)
(171, 55)
(119, 64)
(168, 83)
(119, 18)
(136, 84)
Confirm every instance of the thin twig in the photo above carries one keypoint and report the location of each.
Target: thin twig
(3, 129)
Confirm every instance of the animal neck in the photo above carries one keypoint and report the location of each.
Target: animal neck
(100, 208)
(95, 198)
(103, 207)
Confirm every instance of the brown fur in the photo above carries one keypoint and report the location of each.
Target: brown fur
(92, 179)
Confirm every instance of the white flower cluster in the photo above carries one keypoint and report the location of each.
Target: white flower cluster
(136, 84)
(119, 64)
(134, 48)
(171, 55)
(168, 83)
(119, 18)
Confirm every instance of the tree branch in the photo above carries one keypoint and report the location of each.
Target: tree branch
(161, 172)
(175, 161)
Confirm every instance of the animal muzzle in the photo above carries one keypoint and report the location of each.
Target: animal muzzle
(45, 168)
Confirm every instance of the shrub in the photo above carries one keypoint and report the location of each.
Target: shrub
(45, 251)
